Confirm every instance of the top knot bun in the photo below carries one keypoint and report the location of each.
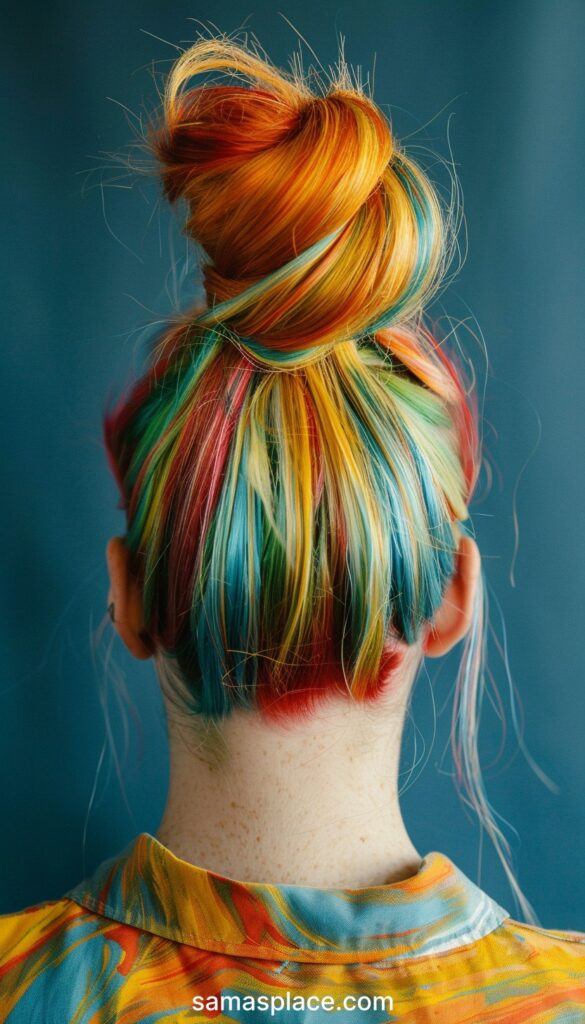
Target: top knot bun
(316, 227)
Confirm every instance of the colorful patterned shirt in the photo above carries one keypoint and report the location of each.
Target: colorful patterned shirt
(151, 938)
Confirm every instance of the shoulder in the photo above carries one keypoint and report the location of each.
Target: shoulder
(548, 938)
(39, 925)
(58, 940)
(45, 932)
(34, 925)
(561, 953)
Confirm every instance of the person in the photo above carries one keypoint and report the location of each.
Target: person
(295, 466)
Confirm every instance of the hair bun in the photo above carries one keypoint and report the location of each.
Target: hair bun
(315, 226)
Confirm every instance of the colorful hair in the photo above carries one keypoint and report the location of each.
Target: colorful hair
(299, 458)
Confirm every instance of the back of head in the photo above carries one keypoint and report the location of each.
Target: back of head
(296, 460)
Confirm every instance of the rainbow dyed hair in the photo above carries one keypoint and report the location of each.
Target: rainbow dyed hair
(299, 457)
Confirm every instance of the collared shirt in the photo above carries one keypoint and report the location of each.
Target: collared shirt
(152, 938)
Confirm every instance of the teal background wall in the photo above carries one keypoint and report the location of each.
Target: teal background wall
(83, 269)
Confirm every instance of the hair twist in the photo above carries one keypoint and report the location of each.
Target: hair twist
(316, 227)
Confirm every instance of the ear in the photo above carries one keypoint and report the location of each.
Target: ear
(452, 620)
(126, 597)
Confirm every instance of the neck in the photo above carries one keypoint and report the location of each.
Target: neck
(314, 802)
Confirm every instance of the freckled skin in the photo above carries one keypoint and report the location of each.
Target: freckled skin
(314, 802)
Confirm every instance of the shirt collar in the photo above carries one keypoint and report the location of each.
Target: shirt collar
(148, 887)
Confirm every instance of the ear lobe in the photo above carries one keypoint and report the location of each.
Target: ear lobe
(453, 619)
(126, 597)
